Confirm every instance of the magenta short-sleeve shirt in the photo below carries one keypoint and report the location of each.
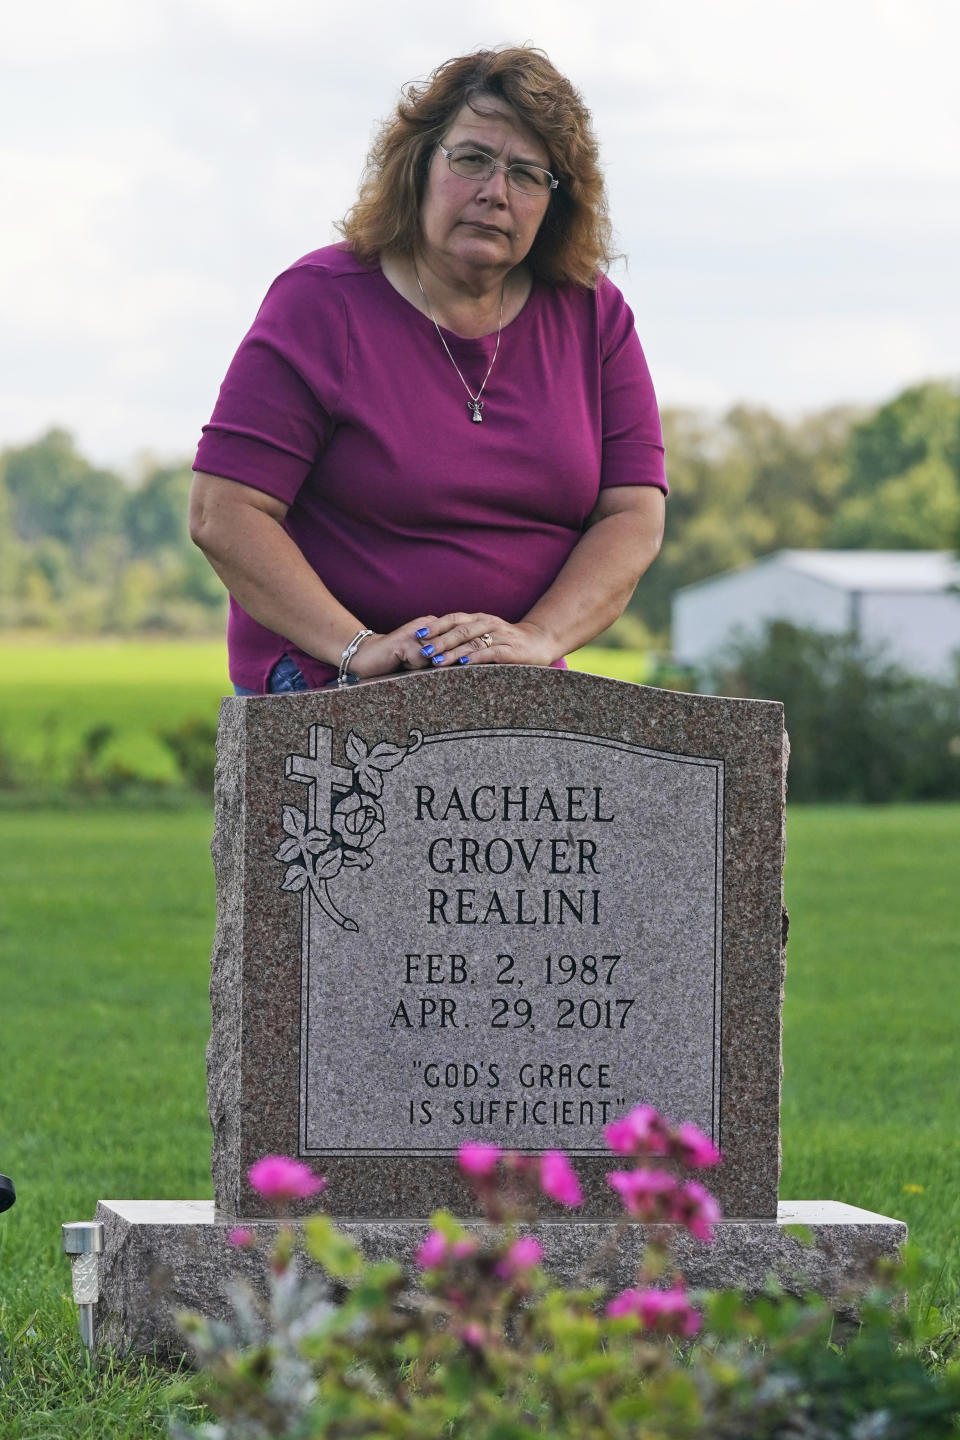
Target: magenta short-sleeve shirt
(342, 403)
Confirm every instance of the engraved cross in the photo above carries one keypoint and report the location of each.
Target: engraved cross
(316, 770)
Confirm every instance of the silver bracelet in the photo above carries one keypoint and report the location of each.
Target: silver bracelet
(348, 655)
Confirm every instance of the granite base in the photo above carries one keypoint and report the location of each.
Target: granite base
(164, 1256)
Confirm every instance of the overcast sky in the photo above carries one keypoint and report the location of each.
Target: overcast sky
(783, 178)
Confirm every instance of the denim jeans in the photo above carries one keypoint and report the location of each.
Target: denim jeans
(285, 678)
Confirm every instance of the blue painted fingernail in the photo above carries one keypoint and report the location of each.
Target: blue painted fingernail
(437, 659)
(464, 660)
(427, 650)
(422, 634)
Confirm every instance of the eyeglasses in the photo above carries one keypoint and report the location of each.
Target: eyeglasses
(477, 165)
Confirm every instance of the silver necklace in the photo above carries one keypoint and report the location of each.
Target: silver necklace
(474, 404)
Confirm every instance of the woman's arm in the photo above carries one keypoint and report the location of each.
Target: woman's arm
(622, 539)
(240, 531)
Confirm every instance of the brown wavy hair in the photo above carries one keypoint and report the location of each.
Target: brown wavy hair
(573, 242)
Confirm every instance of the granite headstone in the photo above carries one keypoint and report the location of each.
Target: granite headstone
(501, 905)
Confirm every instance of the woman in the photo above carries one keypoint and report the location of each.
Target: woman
(439, 444)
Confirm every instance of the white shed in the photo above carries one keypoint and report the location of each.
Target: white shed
(899, 601)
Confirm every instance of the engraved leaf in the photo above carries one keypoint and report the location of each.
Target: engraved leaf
(382, 757)
(328, 864)
(289, 850)
(316, 840)
(385, 756)
(361, 859)
(350, 925)
(294, 820)
(356, 748)
(295, 878)
(371, 781)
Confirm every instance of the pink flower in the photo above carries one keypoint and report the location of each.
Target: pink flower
(667, 1311)
(525, 1252)
(626, 1303)
(276, 1177)
(693, 1148)
(619, 1136)
(695, 1208)
(476, 1158)
(558, 1179)
(473, 1334)
(460, 1249)
(647, 1194)
(432, 1252)
(240, 1237)
(523, 1255)
(642, 1131)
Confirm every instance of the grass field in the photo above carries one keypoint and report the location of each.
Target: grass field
(103, 961)
(53, 693)
(871, 1089)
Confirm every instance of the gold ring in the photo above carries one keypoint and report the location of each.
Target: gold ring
(486, 638)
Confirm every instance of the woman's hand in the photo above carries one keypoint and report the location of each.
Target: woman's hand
(429, 642)
(479, 639)
(399, 650)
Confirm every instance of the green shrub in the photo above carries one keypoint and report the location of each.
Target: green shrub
(193, 745)
(861, 728)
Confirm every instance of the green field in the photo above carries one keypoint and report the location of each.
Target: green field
(105, 929)
(54, 693)
(871, 1088)
(104, 939)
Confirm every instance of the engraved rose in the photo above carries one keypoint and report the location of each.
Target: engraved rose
(358, 820)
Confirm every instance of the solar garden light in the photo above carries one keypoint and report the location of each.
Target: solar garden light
(83, 1242)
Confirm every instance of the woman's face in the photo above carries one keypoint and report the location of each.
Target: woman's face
(477, 230)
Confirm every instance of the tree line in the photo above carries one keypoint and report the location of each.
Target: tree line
(84, 550)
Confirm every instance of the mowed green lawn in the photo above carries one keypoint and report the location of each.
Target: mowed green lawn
(105, 926)
(871, 1095)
